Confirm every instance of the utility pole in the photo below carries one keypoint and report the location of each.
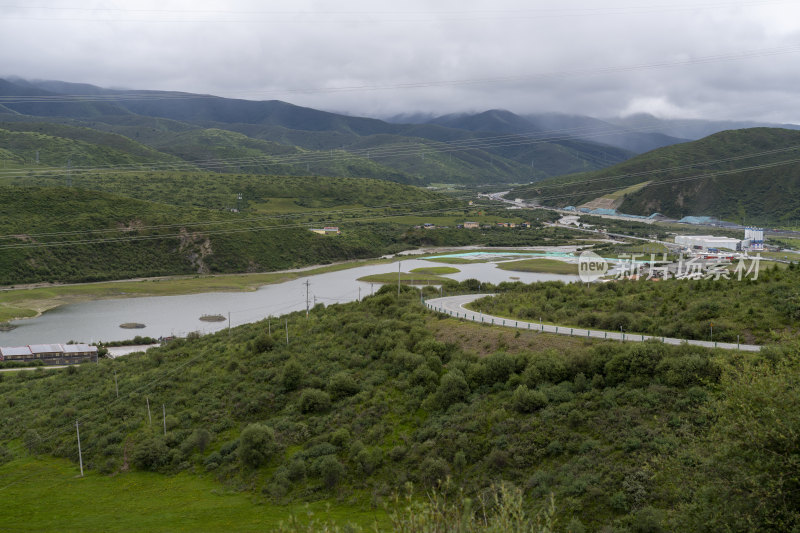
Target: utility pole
(80, 455)
(269, 326)
(164, 409)
(116, 386)
(307, 283)
(359, 293)
(287, 332)
(398, 279)
(149, 418)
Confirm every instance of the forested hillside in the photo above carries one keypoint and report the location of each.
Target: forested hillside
(748, 176)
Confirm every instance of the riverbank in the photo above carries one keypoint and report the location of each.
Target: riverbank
(31, 301)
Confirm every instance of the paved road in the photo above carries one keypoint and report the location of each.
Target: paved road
(454, 306)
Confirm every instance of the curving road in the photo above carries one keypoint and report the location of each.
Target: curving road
(454, 306)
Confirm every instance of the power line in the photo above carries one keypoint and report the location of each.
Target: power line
(395, 150)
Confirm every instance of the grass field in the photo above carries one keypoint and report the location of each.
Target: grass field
(47, 494)
(548, 266)
(457, 260)
(24, 303)
(405, 278)
(436, 271)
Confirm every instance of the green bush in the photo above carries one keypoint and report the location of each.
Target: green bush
(151, 454)
(314, 401)
(452, 388)
(342, 385)
(292, 375)
(525, 400)
(330, 470)
(256, 445)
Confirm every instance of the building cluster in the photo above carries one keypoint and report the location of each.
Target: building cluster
(50, 354)
(753, 241)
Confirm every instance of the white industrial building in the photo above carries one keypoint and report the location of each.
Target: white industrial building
(704, 242)
(753, 238)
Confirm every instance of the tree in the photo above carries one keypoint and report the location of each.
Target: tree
(331, 470)
(525, 400)
(256, 445)
(453, 388)
(32, 441)
(150, 454)
(314, 401)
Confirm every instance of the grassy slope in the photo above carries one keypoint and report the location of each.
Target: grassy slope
(260, 194)
(615, 431)
(31, 211)
(754, 311)
(85, 148)
(757, 195)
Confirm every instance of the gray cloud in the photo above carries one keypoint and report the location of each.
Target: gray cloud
(677, 59)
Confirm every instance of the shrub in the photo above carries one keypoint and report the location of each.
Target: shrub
(5, 455)
(263, 343)
(434, 470)
(525, 400)
(331, 470)
(256, 445)
(314, 401)
(453, 388)
(292, 375)
(340, 438)
(151, 454)
(342, 385)
(296, 470)
(32, 441)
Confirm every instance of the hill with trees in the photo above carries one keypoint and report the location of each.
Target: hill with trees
(747, 176)
(369, 399)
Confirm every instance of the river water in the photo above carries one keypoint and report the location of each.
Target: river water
(178, 315)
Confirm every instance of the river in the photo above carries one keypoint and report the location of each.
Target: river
(163, 316)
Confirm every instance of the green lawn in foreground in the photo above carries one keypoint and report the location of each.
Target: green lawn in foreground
(549, 266)
(47, 494)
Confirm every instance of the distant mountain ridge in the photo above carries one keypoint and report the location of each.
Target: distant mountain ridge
(494, 146)
(410, 152)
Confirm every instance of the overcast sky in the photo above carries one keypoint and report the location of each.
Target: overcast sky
(723, 59)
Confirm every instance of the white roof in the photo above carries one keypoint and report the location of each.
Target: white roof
(78, 348)
(45, 348)
(6, 351)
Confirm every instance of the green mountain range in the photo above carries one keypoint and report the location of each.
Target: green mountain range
(481, 150)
